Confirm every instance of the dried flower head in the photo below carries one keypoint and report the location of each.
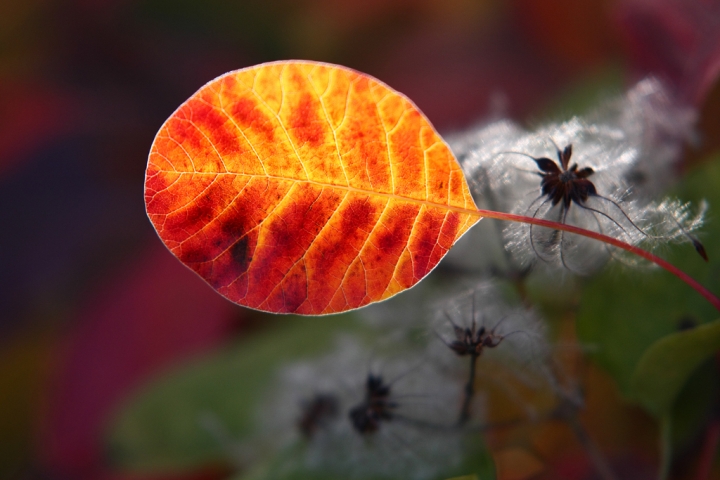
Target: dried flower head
(377, 406)
(611, 163)
(379, 430)
(493, 346)
(488, 343)
(481, 318)
(472, 340)
(317, 413)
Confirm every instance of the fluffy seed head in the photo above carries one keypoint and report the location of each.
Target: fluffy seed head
(505, 333)
(622, 155)
(389, 444)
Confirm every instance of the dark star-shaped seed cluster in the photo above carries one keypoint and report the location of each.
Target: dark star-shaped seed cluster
(564, 183)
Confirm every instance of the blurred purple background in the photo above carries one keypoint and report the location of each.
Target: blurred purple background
(92, 304)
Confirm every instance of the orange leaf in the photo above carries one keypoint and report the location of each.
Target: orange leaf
(302, 187)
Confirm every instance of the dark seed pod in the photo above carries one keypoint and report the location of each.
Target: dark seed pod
(317, 413)
(375, 408)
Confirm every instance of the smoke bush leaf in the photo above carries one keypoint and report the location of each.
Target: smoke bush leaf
(302, 187)
(668, 363)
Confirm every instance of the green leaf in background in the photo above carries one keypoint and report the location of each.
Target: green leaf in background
(669, 362)
(624, 313)
(160, 429)
(694, 403)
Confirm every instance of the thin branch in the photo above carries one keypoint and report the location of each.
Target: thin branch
(596, 456)
(469, 392)
(709, 449)
(665, 447)
(511, 217)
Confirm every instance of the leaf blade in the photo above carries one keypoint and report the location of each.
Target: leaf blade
(299, 187)
(665, 367)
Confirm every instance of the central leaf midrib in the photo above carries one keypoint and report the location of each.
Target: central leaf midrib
(466, 211)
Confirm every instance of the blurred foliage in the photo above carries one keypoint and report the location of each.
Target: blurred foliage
(481, 462)
(667, 365)
(656, 336)
(583, 95)
(24, 366)
(624, 312)
(161, 430)
(202, 414)
(633, 322)
(85, 84)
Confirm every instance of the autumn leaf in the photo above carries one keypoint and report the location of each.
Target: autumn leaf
(305, 187)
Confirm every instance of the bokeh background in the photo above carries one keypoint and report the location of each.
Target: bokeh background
(93, 306)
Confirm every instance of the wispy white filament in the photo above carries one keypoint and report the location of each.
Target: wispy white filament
(632, 145)
(524, 342)
(399, 448)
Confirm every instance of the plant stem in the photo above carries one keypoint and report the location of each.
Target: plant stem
(596, 456)
(665, 447)
(709, 296)
(469, 392)
(710, 446)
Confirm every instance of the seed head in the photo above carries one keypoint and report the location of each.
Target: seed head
(374, 434)
(603, 177)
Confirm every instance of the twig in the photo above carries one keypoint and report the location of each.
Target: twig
(596, 456)
(709, 449)
(665, 447)
(469, 392)
(709, 296)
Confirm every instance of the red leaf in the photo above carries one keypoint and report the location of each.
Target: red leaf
(305, 187)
